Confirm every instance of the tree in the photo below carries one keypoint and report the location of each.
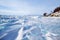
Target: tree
(45, 14)
(56, 9)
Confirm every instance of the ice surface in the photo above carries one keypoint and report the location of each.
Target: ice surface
(30, 28)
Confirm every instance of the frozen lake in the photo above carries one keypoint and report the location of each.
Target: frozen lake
(30, 28)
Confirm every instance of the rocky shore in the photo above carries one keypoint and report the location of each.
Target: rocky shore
(55, 13)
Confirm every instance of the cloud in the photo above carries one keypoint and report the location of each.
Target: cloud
(16, 7)
(25, 7)
(10, 12)
(19, 8)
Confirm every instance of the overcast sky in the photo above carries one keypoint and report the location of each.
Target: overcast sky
(27, 7)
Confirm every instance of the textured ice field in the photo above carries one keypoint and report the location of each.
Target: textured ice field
(44, 28)
(30, 28)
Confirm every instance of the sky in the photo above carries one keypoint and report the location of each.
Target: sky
(27, 7)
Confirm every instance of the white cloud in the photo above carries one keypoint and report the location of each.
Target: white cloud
(20, 8)
(16, 7)
(10, 12)
(27, 6)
